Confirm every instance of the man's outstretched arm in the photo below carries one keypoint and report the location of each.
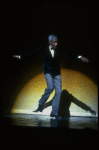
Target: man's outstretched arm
(36, 51)
(72, 55)
(26, 54)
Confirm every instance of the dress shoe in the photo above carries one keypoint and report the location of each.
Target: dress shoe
(40, 108)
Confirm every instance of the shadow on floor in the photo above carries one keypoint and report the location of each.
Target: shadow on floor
(65, 102)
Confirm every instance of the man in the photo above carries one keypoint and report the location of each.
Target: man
(50, 55)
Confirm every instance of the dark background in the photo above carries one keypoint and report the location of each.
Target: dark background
(27, 26)
(30, 24)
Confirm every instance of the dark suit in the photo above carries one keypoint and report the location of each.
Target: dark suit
(51, 70)
(50, 64)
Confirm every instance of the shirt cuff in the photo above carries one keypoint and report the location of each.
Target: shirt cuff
(79, 57)
(19, 57)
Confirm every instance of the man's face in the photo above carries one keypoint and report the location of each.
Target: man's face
(54, 43)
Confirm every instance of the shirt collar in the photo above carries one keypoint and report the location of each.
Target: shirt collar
(50, 47)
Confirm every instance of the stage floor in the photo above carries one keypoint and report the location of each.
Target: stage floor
(39, 120)
(39, 129)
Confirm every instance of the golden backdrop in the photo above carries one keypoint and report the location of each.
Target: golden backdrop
(77, 84)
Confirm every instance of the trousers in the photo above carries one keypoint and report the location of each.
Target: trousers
(53, 82)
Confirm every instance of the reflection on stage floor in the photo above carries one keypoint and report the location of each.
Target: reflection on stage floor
(39, 120)
(39, 129)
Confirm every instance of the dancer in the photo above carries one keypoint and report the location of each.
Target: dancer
(50, 55)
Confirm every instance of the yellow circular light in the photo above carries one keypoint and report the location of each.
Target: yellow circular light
(76, 83)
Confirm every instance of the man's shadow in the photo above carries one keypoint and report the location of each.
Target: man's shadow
(65, 102)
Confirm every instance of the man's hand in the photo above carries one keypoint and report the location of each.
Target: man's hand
(17, 56)
(84, 59)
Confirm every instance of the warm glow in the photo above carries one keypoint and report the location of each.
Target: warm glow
(76, 83)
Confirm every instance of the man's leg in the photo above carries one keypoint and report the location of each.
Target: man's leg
(58, 90)
(48, 90)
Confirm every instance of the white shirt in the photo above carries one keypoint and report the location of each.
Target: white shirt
(51, 50)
